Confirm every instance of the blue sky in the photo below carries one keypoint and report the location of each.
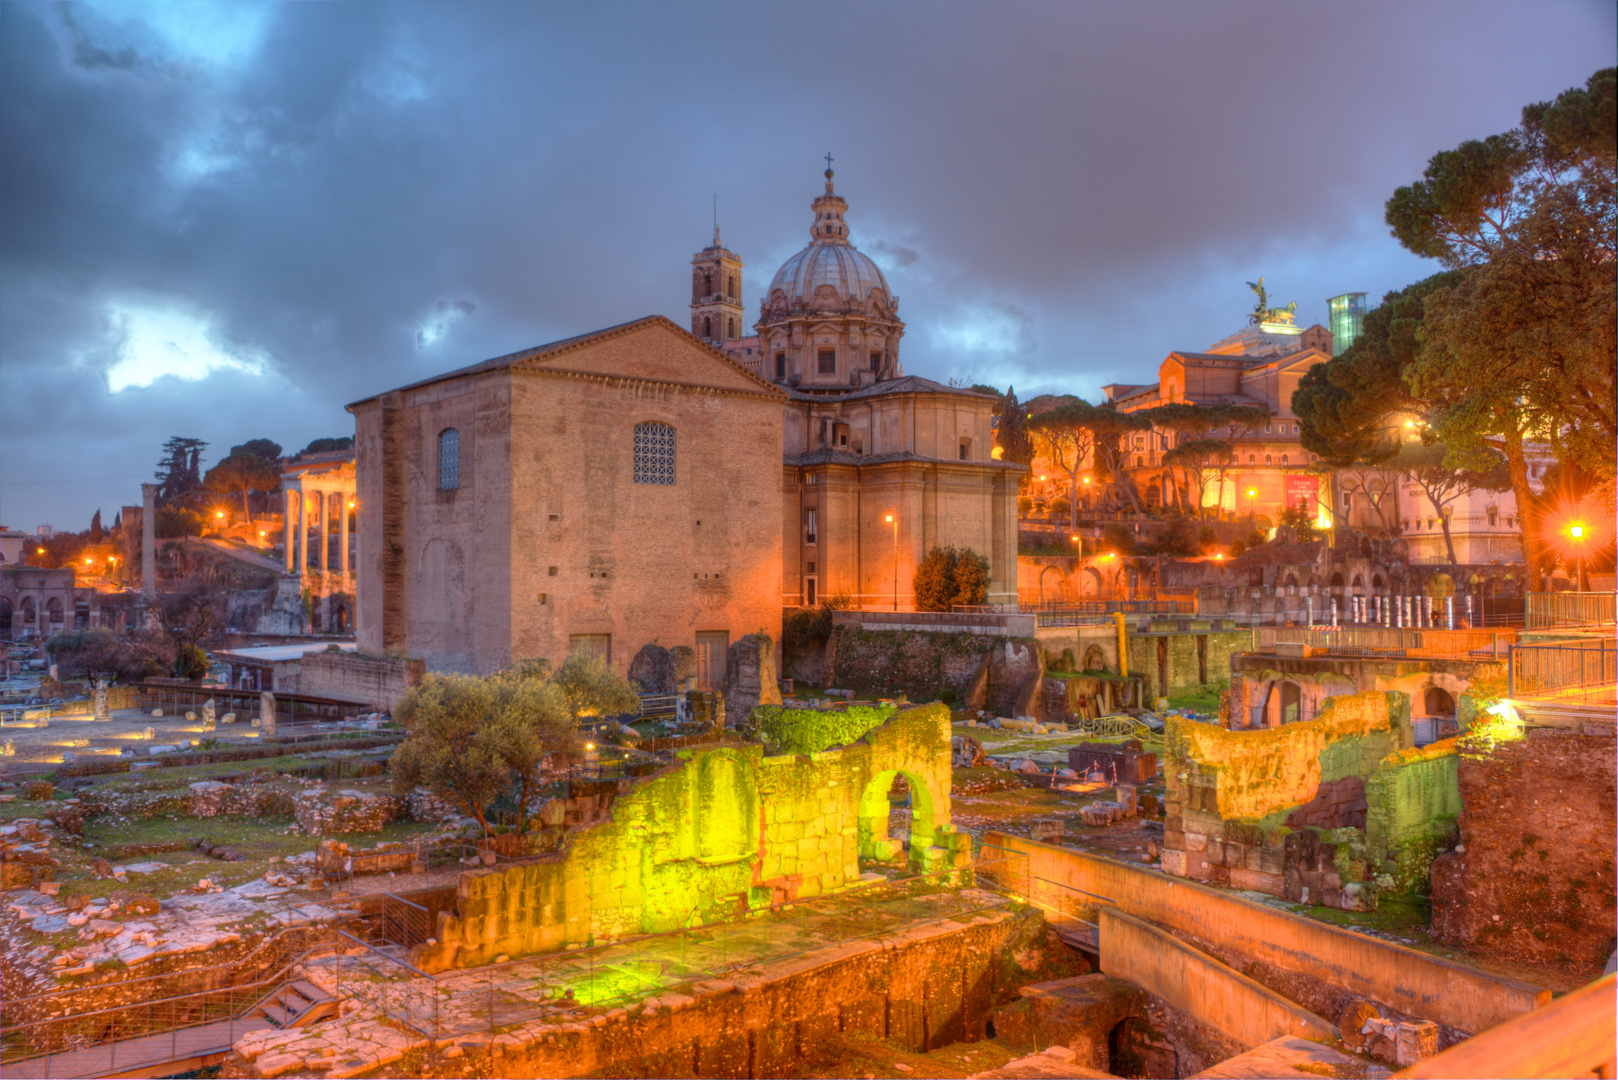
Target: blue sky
(228, 220)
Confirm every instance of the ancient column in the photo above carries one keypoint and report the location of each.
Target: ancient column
(301, 532)
(286, 515)
(323, 500)
(266, 714)
(343, 499)
(148, 556)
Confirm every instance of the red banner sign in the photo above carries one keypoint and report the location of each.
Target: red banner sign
(1304, 489)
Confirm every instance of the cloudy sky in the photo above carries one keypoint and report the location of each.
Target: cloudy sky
(227, 221)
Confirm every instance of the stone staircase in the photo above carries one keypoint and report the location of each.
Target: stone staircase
(297, 1004)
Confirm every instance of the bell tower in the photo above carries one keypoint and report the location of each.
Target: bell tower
(716, 293)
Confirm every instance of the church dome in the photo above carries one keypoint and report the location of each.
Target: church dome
(829, 260)
(841, 266)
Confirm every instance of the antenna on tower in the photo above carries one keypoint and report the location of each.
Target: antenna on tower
(716, 220)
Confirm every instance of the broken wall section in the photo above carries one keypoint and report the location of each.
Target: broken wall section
(1340, 810)
(722, 832)
(1532, 878)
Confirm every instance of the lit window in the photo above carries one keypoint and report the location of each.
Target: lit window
(654, 453)
(449, 459)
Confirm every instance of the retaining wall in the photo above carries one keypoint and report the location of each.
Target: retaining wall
(1191, 980)
(1409, 981)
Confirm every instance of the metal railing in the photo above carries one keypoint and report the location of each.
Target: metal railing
(1542, 610)
(1374, 640)
(1584, 670)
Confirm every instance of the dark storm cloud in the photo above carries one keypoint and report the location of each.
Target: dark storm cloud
(290, 207)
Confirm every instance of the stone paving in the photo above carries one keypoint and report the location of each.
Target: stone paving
(185, 923)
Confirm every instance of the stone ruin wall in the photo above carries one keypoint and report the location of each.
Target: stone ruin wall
(1341, 809)
(1532, 878)
(378, 682)
(973, 670)
(723, 831)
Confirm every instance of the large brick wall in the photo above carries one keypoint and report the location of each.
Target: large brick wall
(548, 536)
(378, 682)
(1533, 877)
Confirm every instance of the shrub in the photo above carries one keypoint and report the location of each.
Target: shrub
(946, 577)
(1118, 537)
(1208, 536)
(1177, 538)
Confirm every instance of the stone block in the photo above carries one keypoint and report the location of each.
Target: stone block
(1174, 862)
(1196, 842)
(1257, 881)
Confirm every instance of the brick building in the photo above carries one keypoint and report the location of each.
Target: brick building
(600, 492)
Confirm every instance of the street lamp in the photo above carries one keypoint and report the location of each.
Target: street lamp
(1577, 531)
(892, 521)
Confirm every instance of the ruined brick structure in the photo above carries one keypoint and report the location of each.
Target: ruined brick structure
(723, 830)
(1341, 809)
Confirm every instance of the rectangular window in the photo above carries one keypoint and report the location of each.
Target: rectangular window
(828, 361)
(780, 365)
(654, 453)
(809, 526)
(449, 459)
(597, 645)
(809, 592)
(876, 361)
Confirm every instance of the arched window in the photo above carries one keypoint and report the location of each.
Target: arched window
(707, 326)
(1283, 459)
(449, 459)
(732, 331)
(654, 453)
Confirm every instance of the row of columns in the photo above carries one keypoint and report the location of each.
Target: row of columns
(300, 504)
(1401, 611)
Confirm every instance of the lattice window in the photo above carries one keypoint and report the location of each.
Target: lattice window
(654, 453)
(449, 459)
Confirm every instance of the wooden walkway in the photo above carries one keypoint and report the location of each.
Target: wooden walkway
(148, 1055)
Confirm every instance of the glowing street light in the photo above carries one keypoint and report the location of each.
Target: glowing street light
(1219, 557)
(1577, 531)
(1252, 493)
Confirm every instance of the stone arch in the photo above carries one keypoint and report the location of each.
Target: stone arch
(1090, 582)
(1337, 580)
(1061, 584)
(81, 613)
(1439, 586)
(874, 841)
(1376, 582)
(5, 616)
(1436, 701)
(53, 610)
(29, 613)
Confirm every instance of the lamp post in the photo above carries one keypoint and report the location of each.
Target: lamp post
(893, 520)
(1577, 531)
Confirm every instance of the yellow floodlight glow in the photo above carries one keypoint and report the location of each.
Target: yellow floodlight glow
(1576, 531)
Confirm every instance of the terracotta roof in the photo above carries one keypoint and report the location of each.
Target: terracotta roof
(907, 384)
(499, 363)
(830, 456)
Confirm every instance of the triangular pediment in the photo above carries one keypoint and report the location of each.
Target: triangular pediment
(651, 350)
